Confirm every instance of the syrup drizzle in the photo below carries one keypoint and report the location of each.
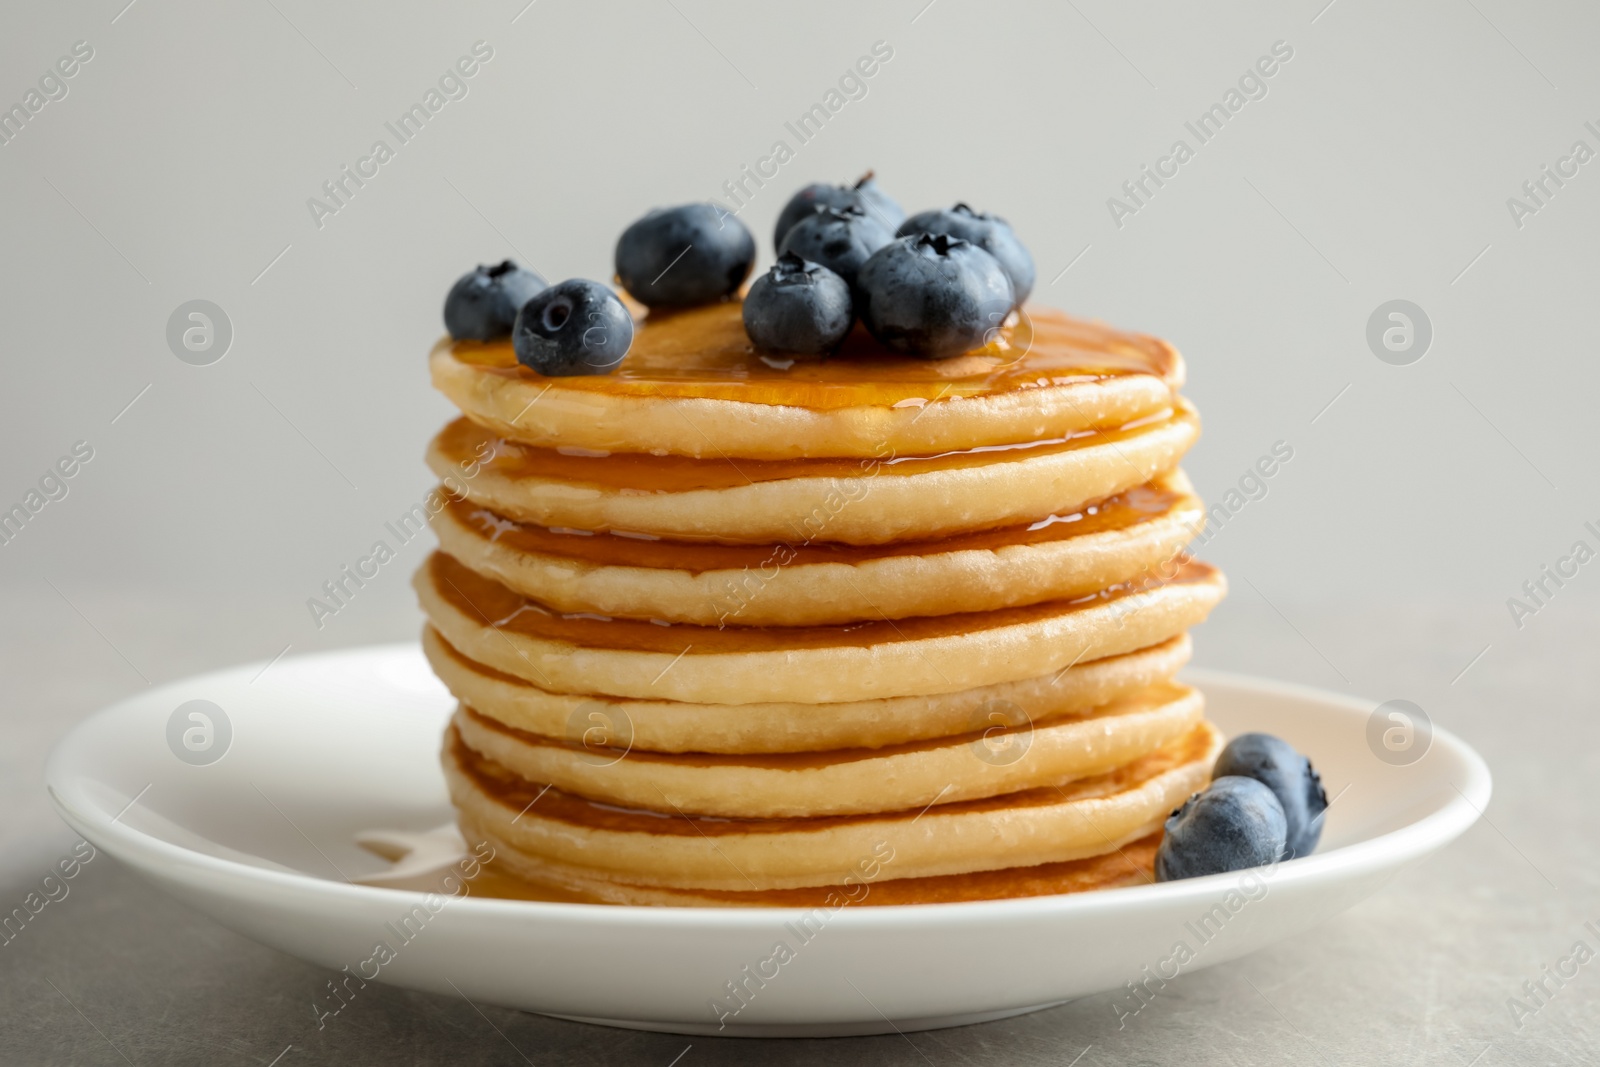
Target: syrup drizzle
(463, 440)
(704, 353)
(618, 548)
(484, 599)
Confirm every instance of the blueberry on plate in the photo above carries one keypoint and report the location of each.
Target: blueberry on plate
(1274, 763)
(989, 232)
(1237, 823)
(681, 256)
(483, 303)
(840, 239)
(574, 327)
(931, 295)
(798, 308)
(864, 194)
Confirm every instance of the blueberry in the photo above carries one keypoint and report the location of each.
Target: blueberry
(932, 296)
(1235, 824)
(483, 303)
(840, 239)
(680, 256)
(1274, 763)
(574, 327)
(864, 194)
(798, 307)
(989, 232)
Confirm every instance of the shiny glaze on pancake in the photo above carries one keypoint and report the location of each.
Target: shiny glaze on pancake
(1143, 504)
(704, 353)
(463, 443)
(492, 604)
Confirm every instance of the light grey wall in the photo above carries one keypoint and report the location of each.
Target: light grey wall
(1377, 166)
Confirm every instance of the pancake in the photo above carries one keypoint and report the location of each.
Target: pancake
(672, 726)
(871, 501)
(729, 630)
(692, 385)
(1005, 750)
(504, 630)
(562, 832)
(525, 877)
(800, 584)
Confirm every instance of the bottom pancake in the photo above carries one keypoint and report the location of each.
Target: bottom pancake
(521, 876)
(569, 835)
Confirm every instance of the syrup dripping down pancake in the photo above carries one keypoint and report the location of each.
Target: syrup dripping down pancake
(1050, 824)
(873, 501)
(692, 385)
(504, 630)
(799, 584)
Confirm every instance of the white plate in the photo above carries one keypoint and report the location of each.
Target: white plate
(324, 748)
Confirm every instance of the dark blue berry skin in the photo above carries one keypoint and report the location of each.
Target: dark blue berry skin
(1237, 823)
(1274, 763)
(841, 239)
(682, 256)
(798, 308)
(864, 194)
(483, 303)
(932, 296)
(989, 232)
(574, 327)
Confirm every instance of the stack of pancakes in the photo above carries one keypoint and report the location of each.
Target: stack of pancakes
(728, 629)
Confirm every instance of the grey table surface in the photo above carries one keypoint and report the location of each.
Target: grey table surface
(1421, 973)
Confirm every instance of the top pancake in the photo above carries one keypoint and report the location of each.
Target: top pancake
(693, 385)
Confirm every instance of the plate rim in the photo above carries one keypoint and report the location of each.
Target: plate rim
(148, 852)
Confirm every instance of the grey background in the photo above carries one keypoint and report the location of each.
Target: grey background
(1379, 562)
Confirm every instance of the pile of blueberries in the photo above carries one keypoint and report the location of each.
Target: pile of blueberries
(933, 285)
(1265, 803)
